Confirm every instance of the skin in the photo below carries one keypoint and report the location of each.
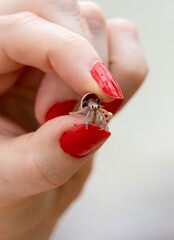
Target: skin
(38, 180)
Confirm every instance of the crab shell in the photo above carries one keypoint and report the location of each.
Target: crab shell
(89, 97)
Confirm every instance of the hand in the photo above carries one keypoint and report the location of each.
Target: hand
(39, 180)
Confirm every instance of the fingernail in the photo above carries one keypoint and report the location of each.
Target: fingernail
(105, 80)
(81, 141)
(113, 106)
(60, 109)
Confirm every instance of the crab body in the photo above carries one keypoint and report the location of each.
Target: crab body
(90, 106)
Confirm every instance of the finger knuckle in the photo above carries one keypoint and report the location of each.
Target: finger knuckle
(95, 14)
(70, 44)
(63, 5)
(124, 25)
(24, 18)
(137, 72)
(41, 176)
(42, 171)
(75, 42)
(9, 21)
(138, 75)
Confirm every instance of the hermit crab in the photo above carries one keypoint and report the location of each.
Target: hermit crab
(91, 107)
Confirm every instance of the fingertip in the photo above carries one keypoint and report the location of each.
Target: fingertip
(81, 141)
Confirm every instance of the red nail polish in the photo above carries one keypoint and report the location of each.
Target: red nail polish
(105, 80)
(81, 141)
(60, 109)
(113, 106)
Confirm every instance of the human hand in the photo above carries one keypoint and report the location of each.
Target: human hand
(33, 163)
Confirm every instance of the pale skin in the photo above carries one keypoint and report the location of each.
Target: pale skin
(38, 180)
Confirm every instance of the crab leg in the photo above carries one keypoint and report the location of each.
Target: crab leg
(104, 119)
(108, 114)
(81, 112)
(87, 118)
(99, 118)
(91, 116)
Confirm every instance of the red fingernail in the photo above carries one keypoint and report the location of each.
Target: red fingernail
(60, 109)
(81, 141)
(113, 106)
(105, 80)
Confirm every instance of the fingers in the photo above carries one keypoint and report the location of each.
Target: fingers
(58, 51)
(47, 158)
(50, 101)
(127, 60)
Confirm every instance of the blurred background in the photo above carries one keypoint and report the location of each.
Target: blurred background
(130, 194)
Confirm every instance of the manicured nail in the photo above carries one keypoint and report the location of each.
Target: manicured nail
(113, 106)
(105, 80)
(60, 109)
(81, 141)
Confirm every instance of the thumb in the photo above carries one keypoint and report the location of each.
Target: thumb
(47, 158)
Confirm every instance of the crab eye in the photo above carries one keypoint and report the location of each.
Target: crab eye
(98, 106)
(92, 106)
(85, 104)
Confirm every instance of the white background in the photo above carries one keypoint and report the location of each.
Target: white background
(130, 194)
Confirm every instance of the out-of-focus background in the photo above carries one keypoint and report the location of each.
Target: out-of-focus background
(130, 194)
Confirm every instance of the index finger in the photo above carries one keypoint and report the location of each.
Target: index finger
(27, 39)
